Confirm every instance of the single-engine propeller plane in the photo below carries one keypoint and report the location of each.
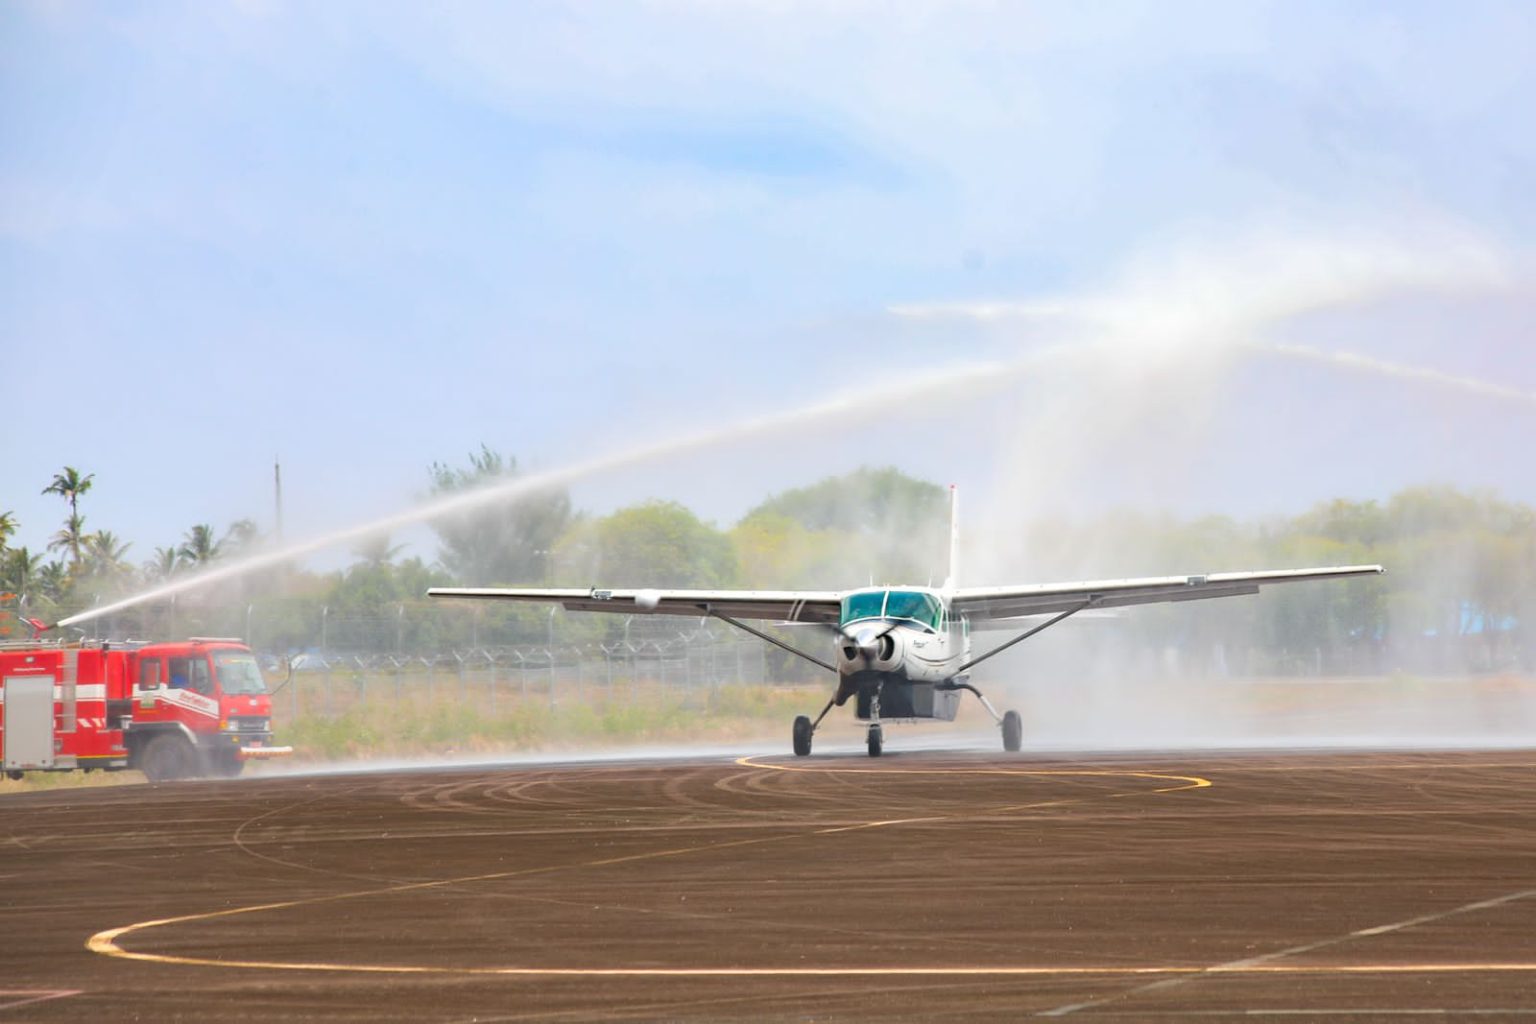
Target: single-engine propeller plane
(904, 653)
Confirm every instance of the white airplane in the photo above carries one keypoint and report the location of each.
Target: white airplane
(904, 653)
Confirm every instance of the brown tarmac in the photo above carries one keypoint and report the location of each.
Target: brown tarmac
(919, 886)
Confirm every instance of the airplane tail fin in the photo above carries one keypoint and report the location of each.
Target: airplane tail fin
(952, 580)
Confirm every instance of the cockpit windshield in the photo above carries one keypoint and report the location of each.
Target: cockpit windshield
(905, 605)
(238, 672)
(866, 605)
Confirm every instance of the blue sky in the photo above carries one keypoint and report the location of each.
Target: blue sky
(363, 237)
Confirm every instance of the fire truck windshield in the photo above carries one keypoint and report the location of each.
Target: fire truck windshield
(238, 672)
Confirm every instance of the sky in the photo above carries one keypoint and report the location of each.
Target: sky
(359, 238)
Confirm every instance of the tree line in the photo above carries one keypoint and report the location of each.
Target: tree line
(1460, 592)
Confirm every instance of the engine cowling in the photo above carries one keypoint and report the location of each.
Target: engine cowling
(870, 647)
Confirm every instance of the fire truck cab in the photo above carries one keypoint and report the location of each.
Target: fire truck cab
(173, 710)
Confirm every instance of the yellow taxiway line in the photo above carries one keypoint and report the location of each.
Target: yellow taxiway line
(106, 943)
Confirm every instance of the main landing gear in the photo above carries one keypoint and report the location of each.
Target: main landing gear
(803, 730)
(1013, 732)
(1011, 723)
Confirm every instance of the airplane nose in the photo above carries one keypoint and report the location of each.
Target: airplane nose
(875, 644)
(870, 645)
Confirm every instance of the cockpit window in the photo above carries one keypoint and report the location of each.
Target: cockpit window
(238, 672)
(907, 605)
(866, 605)
(913, 604)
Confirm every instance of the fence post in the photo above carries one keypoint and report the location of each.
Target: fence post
(491, 660)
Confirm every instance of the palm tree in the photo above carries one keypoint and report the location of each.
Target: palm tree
(53, 581)
(105, 556)
(71, 538)
(377, 552)
(242, 536)
(199, 547)
(69, 485)
(163, 566)
(7, 528)
(18, 571)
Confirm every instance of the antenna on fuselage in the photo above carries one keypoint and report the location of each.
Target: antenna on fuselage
(951, 580)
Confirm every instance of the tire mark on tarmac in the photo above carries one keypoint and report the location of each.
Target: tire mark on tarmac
(247, 846)
(106, 942)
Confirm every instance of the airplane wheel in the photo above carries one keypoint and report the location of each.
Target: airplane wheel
(802, 736)
(876, 741)
(1013, 732)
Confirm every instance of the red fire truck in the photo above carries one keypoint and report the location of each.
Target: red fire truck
(172, 710)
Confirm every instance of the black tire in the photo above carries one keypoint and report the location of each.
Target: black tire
(168, 758)
(802, 736)
(1013, 732)
(875, 741)
(223, 764)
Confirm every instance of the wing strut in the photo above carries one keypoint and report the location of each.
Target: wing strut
(1089, 603)
(797, 652)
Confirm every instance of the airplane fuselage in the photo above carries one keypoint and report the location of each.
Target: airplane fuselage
(899, 651)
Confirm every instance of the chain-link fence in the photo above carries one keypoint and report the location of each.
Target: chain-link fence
(690, 665)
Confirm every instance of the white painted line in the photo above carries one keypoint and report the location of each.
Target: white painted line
(1262, 962)
(28, 996)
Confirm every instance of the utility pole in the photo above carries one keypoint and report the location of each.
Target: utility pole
(277, 490)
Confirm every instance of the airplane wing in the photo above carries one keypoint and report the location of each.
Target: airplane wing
(982, 603)
(777, 605)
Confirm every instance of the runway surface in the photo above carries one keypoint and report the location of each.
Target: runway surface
(919, 886)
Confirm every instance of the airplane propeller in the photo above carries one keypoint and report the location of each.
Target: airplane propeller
(874, 644)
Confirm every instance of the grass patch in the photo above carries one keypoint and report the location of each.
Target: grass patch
(414, 725)
(31, 782)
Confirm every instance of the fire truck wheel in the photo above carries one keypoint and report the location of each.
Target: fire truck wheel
(224, 765)
(167, 758)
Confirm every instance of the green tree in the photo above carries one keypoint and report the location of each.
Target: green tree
(507, 541)
(774, 551)
(106, 558)
(243, 536)
(53, 582)
(18, 570)
(70, 538)
(70, 485)
(655, 544)
(7, 528)
(881, 524)
(163, 566)
(198, 546)
(377, 552)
